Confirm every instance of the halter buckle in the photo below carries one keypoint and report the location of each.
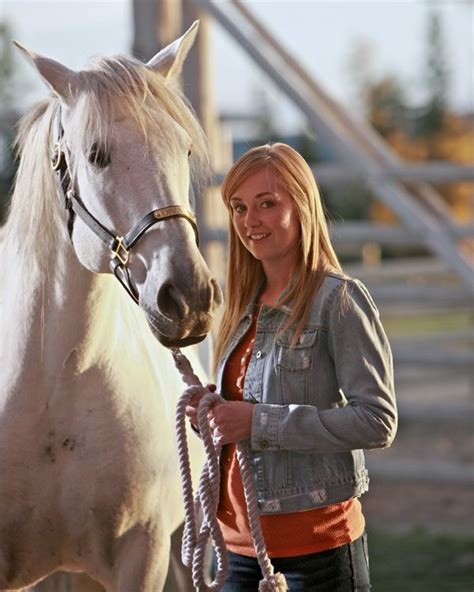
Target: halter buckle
(121, 251)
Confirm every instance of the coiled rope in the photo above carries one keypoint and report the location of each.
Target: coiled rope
(207, 496)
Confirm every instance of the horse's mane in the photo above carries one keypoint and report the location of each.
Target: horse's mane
(109, 85)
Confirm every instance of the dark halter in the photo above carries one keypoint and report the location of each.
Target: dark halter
(120, 246)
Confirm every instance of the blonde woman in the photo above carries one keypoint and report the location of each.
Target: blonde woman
(305, 366)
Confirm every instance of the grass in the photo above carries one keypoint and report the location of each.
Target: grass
(421, 562)
(450, 321)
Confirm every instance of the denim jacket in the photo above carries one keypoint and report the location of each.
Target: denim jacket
(317, 404)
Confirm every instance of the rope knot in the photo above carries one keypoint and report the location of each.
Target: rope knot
(275, 583)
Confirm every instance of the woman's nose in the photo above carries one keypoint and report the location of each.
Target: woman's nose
(251, 219)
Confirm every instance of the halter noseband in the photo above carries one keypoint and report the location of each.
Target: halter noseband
(120, 246)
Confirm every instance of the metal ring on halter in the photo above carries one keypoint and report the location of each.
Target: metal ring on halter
(120, 251)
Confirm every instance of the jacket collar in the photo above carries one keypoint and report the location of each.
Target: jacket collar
(284, 308)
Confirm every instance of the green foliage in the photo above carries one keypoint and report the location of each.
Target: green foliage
(9, 90)
(423, 324)
(348, 202)
(6, 65)
(266, 129)
(385, 99)
(386, 105)
(436, 78)
(421, 562)
(308, 147)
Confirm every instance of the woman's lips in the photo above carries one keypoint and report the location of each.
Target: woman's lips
(258, 237)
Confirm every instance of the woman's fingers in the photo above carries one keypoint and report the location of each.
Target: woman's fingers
(190, 410)
(231, 422)
(218, 438)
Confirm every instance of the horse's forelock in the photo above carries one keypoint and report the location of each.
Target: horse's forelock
(122, 86)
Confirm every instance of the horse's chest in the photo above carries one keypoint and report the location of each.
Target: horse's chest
(91, 427)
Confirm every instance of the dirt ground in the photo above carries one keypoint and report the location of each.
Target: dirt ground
(426, 478)
(405, 506)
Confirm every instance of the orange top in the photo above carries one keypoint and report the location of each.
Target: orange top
(286, 535)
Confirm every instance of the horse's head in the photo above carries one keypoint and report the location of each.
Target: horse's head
(129, 153)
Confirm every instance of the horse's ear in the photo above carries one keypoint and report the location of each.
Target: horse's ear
(60, 79)
(169, 61)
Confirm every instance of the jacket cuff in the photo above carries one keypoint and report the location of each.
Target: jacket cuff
(265, 423)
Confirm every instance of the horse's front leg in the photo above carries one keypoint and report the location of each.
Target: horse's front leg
(179, 577)
(141, 562)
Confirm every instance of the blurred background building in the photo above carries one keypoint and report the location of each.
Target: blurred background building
(379, 98)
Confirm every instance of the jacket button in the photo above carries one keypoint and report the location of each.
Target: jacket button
(264, 444)
(258, 355)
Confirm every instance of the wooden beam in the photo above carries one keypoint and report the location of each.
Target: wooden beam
(432, 172)
(386, 234)
(449, 472)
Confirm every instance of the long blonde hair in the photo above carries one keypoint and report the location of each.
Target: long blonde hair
(316, 253)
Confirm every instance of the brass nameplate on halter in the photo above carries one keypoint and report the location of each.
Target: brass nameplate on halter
(171, 211)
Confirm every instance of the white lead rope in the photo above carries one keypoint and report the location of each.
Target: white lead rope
(207, 497)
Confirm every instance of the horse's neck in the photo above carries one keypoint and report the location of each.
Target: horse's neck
(45, 315)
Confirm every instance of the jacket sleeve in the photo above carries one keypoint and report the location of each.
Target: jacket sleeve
(363, 365)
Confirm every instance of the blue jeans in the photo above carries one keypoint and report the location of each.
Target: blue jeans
(344, 569)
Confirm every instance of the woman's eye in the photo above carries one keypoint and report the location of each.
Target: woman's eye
(239, 209)
(266, 204)
(99, 156)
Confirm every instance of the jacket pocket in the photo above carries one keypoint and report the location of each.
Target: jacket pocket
(298, 357)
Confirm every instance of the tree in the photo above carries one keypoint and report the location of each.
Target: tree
(9, 89)
(436, 77)
(264, 110)
(386, 106)
(361, 74)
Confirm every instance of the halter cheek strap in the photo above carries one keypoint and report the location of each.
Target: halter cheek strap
(120, 246)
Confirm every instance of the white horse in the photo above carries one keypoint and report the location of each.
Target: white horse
(89, 477)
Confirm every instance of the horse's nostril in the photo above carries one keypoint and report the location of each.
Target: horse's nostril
(171, 303)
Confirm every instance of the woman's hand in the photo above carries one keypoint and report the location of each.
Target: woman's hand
(231, 421)
(191, 410)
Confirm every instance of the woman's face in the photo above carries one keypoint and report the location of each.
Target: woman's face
(266, 220)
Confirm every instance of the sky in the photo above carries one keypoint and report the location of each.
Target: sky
(321, 34)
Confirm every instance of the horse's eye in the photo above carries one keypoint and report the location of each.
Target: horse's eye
(99, 156)
(189, 152)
